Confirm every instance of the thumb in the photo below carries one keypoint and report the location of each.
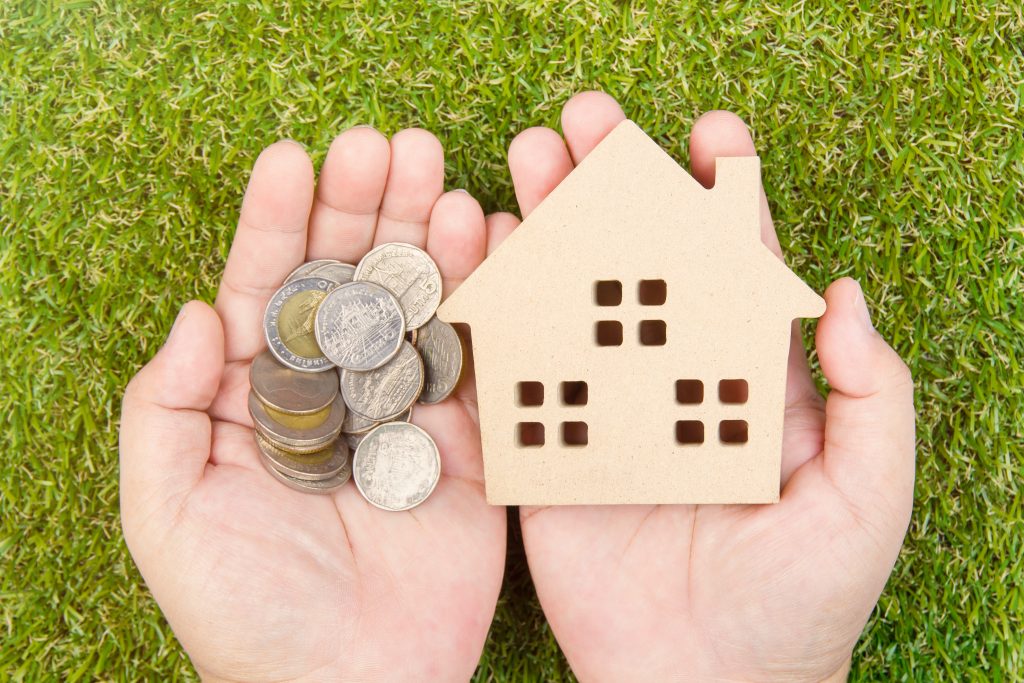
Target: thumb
(165, 433)
(869, 415)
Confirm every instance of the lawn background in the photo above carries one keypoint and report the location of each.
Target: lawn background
(891, 151)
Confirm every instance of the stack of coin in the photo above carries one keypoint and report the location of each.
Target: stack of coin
(369, 331)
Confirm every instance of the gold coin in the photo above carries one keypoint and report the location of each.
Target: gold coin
(296, 323)
(290, 391)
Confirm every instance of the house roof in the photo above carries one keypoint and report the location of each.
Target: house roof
(628, 174)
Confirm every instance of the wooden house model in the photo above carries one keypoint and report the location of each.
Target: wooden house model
(630, 338)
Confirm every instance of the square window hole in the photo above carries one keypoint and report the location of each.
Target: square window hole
(652, 332)
(733, 391)
(529, 394)
(608, 333)
(574, 393)
(689, 391)
(689, 431)
(732, 431)
(529, 434)
(574, 433)
(652, 292)
(608, 292)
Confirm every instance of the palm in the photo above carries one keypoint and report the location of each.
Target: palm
(263, 582)
(734, 592)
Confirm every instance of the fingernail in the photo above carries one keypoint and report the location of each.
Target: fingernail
(459, 189)
(861, 306)
(177, 324)
(361, 125)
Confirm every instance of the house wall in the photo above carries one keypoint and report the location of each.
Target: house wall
(632, 452)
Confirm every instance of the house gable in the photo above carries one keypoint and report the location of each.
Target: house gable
(694, 309)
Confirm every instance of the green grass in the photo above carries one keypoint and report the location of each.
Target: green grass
(892, 151)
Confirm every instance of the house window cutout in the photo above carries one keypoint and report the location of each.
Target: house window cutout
(574, 434)
(732, 431)
(689, 391)
(689, 432)
(529, 434)
(652, 332)
(733, 391)
(574, 393)
(607, 292)
(652, 292)
(608, 333)
(529, 394)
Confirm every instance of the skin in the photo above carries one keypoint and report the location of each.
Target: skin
(263, 583)
(260, 582)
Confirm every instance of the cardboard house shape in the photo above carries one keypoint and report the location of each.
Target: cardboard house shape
(630, 338)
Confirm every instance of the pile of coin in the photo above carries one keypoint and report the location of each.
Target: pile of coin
(351, 350)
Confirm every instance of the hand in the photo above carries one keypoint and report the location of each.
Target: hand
(751, 592)
(260, 582)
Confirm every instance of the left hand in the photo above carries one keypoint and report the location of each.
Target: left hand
(733, 592)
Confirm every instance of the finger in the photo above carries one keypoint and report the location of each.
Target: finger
(538, 160)
(165, 431)
(499, 226)
(869, 428)
(269, 242)
(348, 196)
(723, 134)
(456, 238)
(415, 181)
(586, 119)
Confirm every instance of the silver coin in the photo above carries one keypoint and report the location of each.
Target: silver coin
(297, 437)
(359, 326)
(383, 394)
(339, 273)
(313, 467)
(396, 466)
(404, 416)
(441, 348)
(289, 391)
(289, 321)
(353, 441)
(307, 268)
(356, 424)
(408, 273)
(323, 486)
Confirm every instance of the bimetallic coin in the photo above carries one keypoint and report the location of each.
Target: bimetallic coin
(305, 486)
(304, 440)
(307, 268)
(281, 388)
(289, 324)
(396, 466)
(313, 467)
(408, 273)
(384, 393)
(359, 326)
(339, 273)
(441, 349)
(301, 422)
